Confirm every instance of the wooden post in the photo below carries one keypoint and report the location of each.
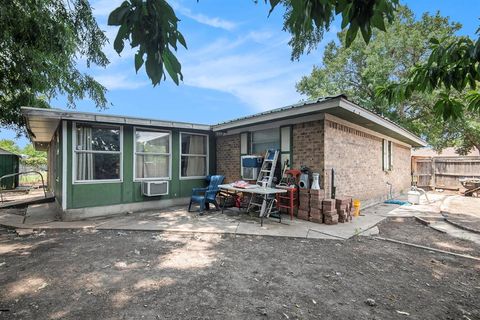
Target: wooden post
(432, 177)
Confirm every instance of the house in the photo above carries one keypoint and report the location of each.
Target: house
(9, 164)
(100, 162)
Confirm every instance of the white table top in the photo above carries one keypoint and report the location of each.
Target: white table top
(258, 190)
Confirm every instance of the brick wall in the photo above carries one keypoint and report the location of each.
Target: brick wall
(356, 157)
(308, 145)
(228, 157)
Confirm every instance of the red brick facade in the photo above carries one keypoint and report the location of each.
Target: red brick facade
(228, 157)
(354, 153)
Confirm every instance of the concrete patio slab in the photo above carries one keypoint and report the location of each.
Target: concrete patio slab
(40, 213)
(178, 219)
(348, 229)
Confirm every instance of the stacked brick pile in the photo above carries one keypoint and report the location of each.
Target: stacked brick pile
(344, 208)
(330, 215)
(304, 204)
(316, 210)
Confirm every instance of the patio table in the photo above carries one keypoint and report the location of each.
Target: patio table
(264, 192)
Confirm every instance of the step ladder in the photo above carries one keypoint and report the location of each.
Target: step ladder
(267, 172)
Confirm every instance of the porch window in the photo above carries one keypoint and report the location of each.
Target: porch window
(262, 140)
(97, 152)
(194, 155)
(152, 154)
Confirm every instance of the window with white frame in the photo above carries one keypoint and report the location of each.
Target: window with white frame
(387, 155)
(193, 155)
(152, 154)
(97, 152)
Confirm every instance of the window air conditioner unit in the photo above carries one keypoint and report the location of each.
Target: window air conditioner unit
(154, 188)
(250, 173)
(250, 167)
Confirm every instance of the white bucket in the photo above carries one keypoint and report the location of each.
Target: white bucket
(414, 197)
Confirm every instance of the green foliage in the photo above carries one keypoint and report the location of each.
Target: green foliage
(150, 25)
(359, 69)
(30, 156)
(452, 66)
(40, 42)
(10, 145)
(306, 20)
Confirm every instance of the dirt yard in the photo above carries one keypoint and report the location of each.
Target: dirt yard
(134, 275)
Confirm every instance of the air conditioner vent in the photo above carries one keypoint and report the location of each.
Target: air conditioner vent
(154, 188)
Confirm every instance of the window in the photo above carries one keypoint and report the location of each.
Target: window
(194, 155)
(387, 155)
(262, 140)
(97, 152)
(152, 154)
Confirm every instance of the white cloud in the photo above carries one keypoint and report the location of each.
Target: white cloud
(261, 76)
(215, 22)
(119, 81)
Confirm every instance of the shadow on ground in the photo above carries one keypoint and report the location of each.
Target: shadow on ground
(131, 275)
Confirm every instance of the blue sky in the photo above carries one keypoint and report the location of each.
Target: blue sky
(237, 62)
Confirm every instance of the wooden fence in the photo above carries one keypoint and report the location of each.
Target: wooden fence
(444, 172)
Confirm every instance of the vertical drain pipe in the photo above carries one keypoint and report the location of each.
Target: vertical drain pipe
(333, 184)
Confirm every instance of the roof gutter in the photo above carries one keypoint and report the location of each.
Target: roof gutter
(86, 116)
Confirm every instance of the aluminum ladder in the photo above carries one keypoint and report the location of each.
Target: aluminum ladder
(267, 172)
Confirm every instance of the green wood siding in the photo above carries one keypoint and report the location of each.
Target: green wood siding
(9, 165)
(83, 195)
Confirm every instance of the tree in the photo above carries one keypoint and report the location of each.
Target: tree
(40, 44)
(452, 66)
(151, 26)
(9, 145)
(359, 69)
(41, 40)
(30, 156)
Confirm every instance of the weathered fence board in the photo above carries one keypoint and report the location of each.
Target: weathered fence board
(444, 172)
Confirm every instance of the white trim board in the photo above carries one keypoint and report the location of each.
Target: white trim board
(64, 164)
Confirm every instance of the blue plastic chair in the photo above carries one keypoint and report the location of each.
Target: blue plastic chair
(205, 196)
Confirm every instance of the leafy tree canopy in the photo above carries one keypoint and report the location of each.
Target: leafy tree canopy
(152, 27)
(30, 156)
(359, 69)
(452, 67)
(40, 42)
